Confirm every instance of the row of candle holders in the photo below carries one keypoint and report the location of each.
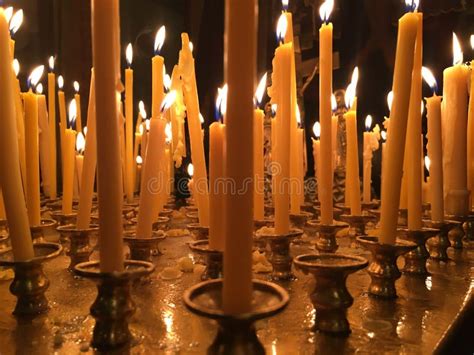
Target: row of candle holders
(236, 334)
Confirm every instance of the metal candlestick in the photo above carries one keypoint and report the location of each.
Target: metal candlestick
(458, 233)
(336, 211)
(30, 282)
(161, 223)
(402, 217)
(357, 225)
(166, 212)
(345, 209)
(372, 205)
(236, 333)
(113, 306)
(330, 297)
(198, 232)
(439, 245)
(79, 243)
(54, 204)
(383, 269)
(63, 219)
(142, 248)
(213, 259)
(280, 257)
(298, 220)
(415, 260)
(38, 232)
(310, 207)
(193, 217)
(326, 235)
(261, 243)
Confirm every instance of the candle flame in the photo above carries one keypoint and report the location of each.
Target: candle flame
(412, 5)
(333, 102)
(390, 100)
(139, 160)
(191, 46)
(317, 129)
(261, 89)
(129, 54)
(141, 109)
(76, 86)
(159, 39)
(16, 21)
(39, 89)
(8, 13)
(355, 76)
(190, 169)
(325, 10)
(429, 78)
(169, 100)
(16, 66)
(36, 75)
(60, 82)
(85, 131)
(274, 109)
(298, 114)
(384, 135)
(80, 143)
(282, 26)
(167, 82)
(472, 41)
(284, 4)
(427, 163)
(368, 122)
(72, 110)
(201, 118)
(350, 95)
(147, 125)
(168, 132)
(51, 63)
(221, 101)
(457, 51)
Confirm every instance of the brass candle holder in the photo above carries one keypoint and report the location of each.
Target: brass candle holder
(415, 260)
(280, 257)
(63, 219)
(403, 217)
(438, 246)
(4, 243)
(261, 243)
(166, 212)
(326, 235)
(330, 296)
(193, 217)
(113, 306)
(383, 269)
(337, 211)
(3, 226)
(310, 206)
(298, 220)
(458, 233)
(342, 207)
(38, 232)
(236, 333)
(80, 248)
(54, 204)
(30, 283)
(143, 248)
(357, 225)
(372, 205)
(269, 209)
(212, 257)
(198, 232)
(161, 223)
(189, 209)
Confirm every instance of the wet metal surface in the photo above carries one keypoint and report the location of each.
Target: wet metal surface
(411, 324)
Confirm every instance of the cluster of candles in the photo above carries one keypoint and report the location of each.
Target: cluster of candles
(128, 155)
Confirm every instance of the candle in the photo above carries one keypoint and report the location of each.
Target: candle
(325, 90)
(52, 127)
(191, 101)
(258, 150)
(77, 98)
(105, 29)
(393, 169)
(454, 127)
(190, 171)
(334, 124)
(80, 145)
(157, 74)
(426, 184)
(317, 154)
(20, 121)
(139, 162)
(44, 141)
(31, 149)
(371, 143)
(69, 160)
(90, 162)
(62, 114)
(152, 184)
(383, 135)
(302, 158)
(129, 159)
(177, 113)
(10, 176)
(146, 133)
(470, 133)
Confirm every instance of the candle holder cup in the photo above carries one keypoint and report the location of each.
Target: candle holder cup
(280, 257)
(298, 220)
(342, 207)
(166, 212)
(309, 207)
(143, 248)
(439, 245)
(326, 235)
(189, 209)
(458, 233)
(337, 211)
(80, 248)
(3, 226)
(38, 232)
(236, 333)
(261, 243)
(54, 204)
(161, 223)
(212, 257)
(193, 217)
(357, 225)
(383, 269)
(30, 283)
(415, 260)
(113, 306)
(198, 232)
(330, 296)
(63, 219)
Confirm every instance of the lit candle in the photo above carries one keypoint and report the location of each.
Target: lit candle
(317, 154)
(80, 145)
(325, 90)
(371, 143)
(77, 98)
(31, 148)
(62, 114)
(10, 176)
(44, 141)
(177, 113)
(129, 159)
(139, 162)
(383, 135)
(470, 133)
(52, 127)
(454, 127)
(258, 150)
(190, 171)
(105, 28)
(157, 63)
(334, 124)
(426, 184)
(20, 121)
(393, 169)
(69, 158)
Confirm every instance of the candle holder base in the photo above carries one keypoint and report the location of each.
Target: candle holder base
(190, 209)
(142, 248)
(468, 227)
(261, 243)
(439, 245)
(113, 306)
(415, 260)
(330, 296)
(357, 225)
(63, 219)
(212, 257)
(280, 257)
(236, 334)
(30, 283)
(458, 232)
(38, 232)
(79, 243)
(383, 269)
(337, 211)
(326, 235)
(309, 207)
(198, 232)
(3, 226)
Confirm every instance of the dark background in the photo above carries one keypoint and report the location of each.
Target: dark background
(364, 35)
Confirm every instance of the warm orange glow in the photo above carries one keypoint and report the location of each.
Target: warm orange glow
(333, 102)
(36, 75)
(76, 86)
(139, 160)
(429, 78)
(427, 163)
(39, 89)
(16, 66)
(72, 112)
(390, 100)
(51, 63)
(282, 26)
(141, 109)
(8, 13)
(168, 132)
(60, 82)
(80, 143)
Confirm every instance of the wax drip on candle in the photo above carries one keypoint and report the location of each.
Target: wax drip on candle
(325, 10)
(60, 82)
(284, 5)
(429, 79)
(262, 84)
(15, 22)
(51, 63)
(72, 113)
(190, 170)
(16, 67)
(169, 100)
(8, 13)
(80, 143)
(317, 129)
(159, 39)
(457, 51)
(282, 26)
(221, 103)
(412, 5)
(129, 55)
(35, 76)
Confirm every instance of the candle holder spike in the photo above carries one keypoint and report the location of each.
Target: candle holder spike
(236, 334)
(38, 232)
(439, 245)
(383, 269)
(113, 306)
(415, 260)
(80, 248)
(143, 248)
(330, 296)
(213, 257)
(198, 232)
(30, 283)
(326, 235)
